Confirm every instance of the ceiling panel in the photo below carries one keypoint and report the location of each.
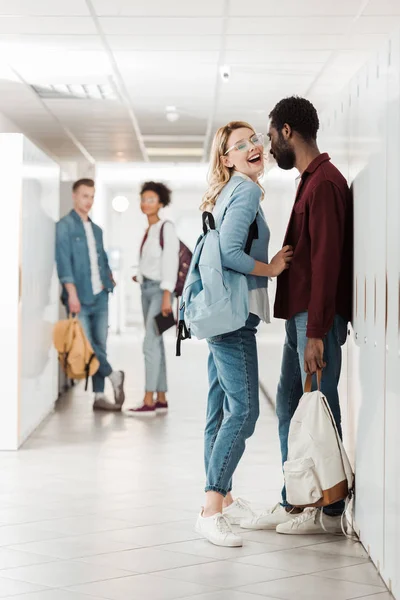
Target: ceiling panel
(376, 24)
(382, 7)
(158, 8)
(163, 26)
(279, 57)
(48, 42)
(44, 7)
(165, 42)
(51, 25)
(287, 26)
(279, 43)
(61, 66)
(289, 8)
(154, 60)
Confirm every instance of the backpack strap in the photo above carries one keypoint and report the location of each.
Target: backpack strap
(183, 334)
(253, 235)
(144, 241)
(208, 221)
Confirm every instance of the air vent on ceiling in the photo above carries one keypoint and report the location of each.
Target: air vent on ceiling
(75, 91)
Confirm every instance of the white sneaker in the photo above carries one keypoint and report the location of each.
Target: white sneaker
(237, 511)
(217, 530)
(268, 519)
(310, 522)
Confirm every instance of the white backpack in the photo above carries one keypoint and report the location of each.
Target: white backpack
(317, 471)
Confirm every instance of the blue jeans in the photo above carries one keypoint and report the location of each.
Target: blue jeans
(293, 376)
(94, 319)
(233, 403)
(153, 345)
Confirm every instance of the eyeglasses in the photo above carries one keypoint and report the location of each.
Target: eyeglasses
(245, 145)
(149, 200)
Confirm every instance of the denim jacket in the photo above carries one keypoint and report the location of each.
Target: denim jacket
(72, 257)
(234, 213)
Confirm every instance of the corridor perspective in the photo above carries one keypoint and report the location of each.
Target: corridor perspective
(122, 122)
(104, 506)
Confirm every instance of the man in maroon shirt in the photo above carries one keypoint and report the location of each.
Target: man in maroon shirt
(314, 295)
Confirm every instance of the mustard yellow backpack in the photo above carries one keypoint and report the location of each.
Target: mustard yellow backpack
(75, 353)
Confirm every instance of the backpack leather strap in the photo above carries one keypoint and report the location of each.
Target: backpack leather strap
(308, 383)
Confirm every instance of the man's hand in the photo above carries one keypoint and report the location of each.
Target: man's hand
(166, 307)
(73, 303)
(314, 356)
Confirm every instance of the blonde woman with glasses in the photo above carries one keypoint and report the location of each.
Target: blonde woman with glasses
(234, 195)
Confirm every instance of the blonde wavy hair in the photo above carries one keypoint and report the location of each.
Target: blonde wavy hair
(219, 174)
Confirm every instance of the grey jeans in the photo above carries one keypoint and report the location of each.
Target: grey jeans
(153, 345)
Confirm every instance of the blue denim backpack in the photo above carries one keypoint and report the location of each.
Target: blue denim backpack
(215, 300)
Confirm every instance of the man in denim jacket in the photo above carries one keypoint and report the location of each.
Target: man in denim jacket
(86, 280)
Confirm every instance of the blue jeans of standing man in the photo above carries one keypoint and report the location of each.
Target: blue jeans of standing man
(233, 403)
(293, 376)
(153, 345)
(94, 319)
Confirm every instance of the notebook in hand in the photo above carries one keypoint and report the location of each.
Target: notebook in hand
(164, 323)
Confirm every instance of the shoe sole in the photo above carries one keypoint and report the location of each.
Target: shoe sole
(140, 415)
(258, 527)
(104, 409)
(321, 532)
(239, 544)
(161, 411)
(121, 399)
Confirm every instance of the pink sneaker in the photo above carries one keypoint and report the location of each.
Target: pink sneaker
(142, 411)
(161, 407)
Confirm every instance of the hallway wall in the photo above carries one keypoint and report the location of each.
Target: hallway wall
(362, 132)
(30, 300)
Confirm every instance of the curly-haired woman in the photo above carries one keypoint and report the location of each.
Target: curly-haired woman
(158, 271)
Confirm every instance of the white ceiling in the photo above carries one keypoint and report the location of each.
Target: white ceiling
(159, 53)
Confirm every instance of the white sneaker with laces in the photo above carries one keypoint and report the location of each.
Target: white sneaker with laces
(217, 530)
(268, 519)
(237, 511)
(311, 521)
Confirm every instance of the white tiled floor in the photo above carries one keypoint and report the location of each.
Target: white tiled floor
(102, 507)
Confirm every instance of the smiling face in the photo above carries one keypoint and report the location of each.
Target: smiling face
(245, 153)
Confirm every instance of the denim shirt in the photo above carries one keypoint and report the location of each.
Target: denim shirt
(72, 257)
(235, 210)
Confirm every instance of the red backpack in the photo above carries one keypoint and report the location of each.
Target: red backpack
(185, 257)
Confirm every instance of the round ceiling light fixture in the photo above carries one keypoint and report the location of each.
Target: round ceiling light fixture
(120, 204)
(171, 114)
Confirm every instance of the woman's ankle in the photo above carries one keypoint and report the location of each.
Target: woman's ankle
(161, 397)
(213, 504)
(228, 500)
(148, 399)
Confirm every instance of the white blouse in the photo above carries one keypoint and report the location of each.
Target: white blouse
(160, 264)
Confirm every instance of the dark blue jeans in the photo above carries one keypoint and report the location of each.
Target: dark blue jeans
(293, 376)
(94, 319)
(233, 403)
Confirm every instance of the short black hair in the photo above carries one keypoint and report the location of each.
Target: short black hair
(299, 114)
(87, 182)
(162, 191)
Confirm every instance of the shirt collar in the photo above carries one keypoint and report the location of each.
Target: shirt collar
(313, 166)
(242, 175)
(77, 217)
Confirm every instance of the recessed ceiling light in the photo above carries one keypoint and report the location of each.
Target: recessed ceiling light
(172, 116)
(170, 108)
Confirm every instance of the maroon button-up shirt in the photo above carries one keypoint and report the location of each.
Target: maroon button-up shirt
(320, 230)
